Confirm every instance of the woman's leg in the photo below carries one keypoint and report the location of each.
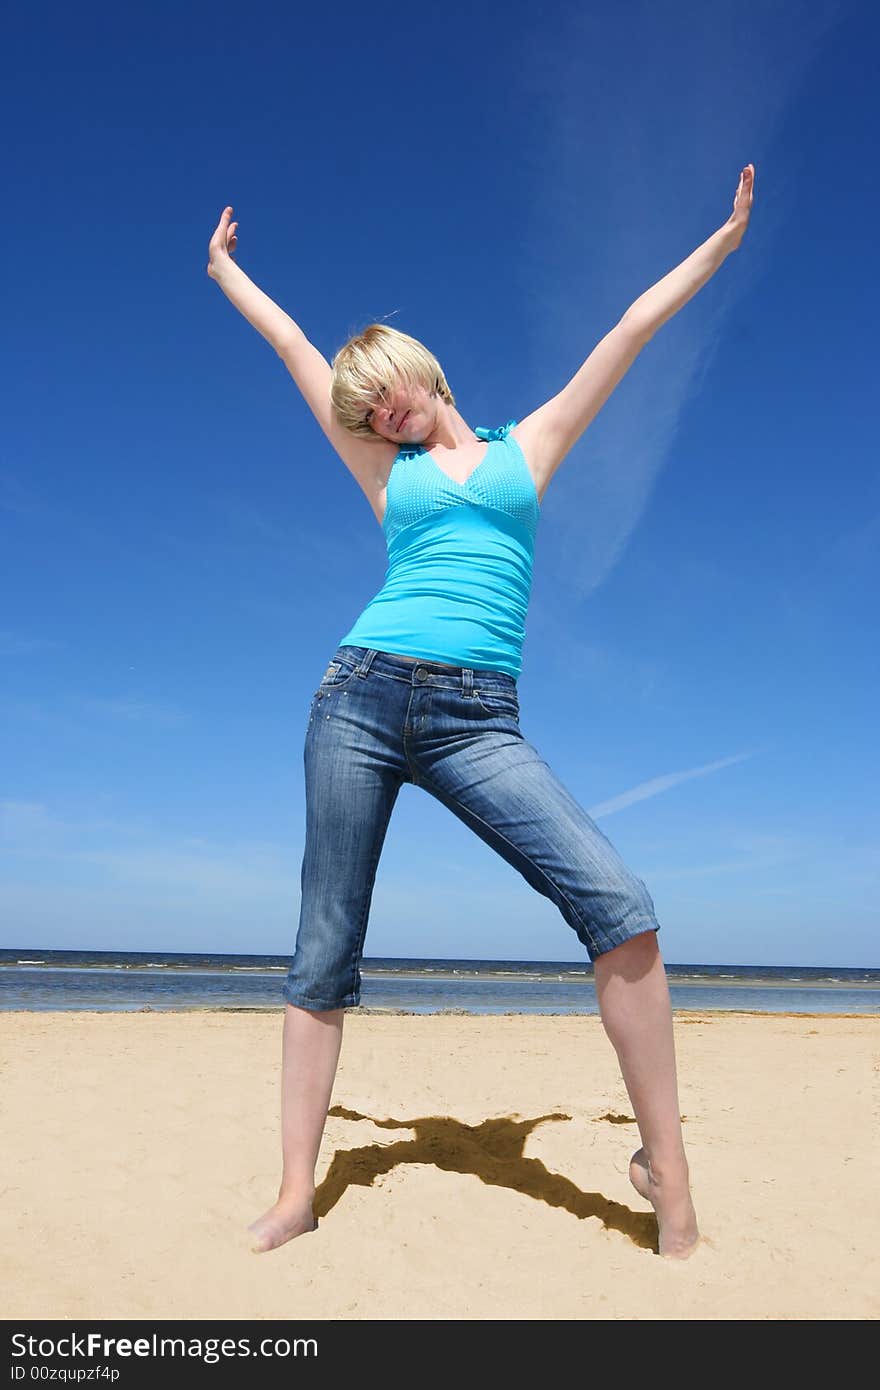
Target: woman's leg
(637, 1014)
(497, 783)
(311, 1040)
(352, 780)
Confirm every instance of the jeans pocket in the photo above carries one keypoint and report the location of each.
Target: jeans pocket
(338, 673)
(498, 702)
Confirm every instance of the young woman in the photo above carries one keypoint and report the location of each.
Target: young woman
(422, 689)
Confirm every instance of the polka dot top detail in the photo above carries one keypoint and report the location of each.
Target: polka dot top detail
(460, 559)
(501, 480)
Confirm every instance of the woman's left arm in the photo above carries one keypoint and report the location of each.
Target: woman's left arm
(550, 431)
(651, 310)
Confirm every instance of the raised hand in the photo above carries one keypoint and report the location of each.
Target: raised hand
(742, 206)
(223, 244)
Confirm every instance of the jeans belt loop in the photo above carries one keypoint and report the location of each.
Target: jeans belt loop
(467, 681)
(366, 662)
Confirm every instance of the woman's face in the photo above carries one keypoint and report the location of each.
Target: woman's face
(406, 413)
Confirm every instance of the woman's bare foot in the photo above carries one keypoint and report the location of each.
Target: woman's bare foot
(670, 1196)
(291, 1216)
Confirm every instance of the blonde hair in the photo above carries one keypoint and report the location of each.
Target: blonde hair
(362, 368)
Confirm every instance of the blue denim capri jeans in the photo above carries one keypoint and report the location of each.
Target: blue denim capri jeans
(379, 720)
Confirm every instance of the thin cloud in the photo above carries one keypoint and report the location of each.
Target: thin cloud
(24, 643)
(645, 790)
(612, 204)
(131, 854)
(135, 710)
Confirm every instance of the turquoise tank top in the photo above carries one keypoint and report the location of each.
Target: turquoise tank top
(460, 559)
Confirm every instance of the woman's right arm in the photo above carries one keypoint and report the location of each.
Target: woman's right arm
(368, 461)
(266, 316)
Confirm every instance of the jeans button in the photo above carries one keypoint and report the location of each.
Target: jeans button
(421, 674)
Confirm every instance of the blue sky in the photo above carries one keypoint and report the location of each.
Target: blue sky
(182, 550)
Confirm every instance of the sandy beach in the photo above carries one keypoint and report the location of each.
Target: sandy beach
(472, 1167)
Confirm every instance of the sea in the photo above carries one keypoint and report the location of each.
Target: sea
(144, 981)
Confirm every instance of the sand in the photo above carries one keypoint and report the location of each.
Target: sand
(472, 1167)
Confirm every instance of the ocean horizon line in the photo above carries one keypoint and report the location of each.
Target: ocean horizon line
(30, 955)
